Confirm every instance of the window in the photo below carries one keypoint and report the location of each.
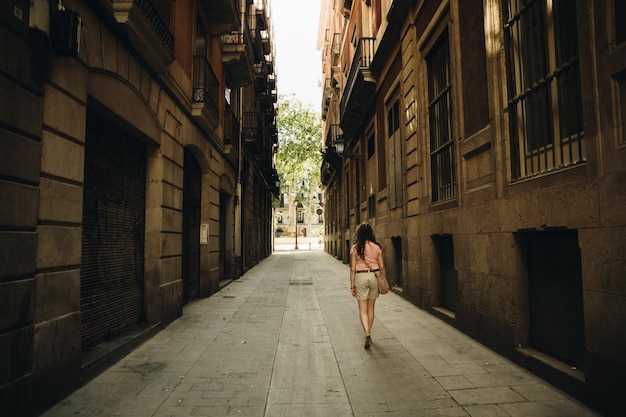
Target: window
(394, 147)
(205, 82)
(544, 103)
(371, 206)
(442, 159)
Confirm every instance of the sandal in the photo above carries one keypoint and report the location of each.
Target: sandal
(368, 342)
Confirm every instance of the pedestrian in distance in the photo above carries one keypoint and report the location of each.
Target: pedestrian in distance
(366, 258)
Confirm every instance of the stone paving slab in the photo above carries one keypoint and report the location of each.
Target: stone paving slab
(285, 340)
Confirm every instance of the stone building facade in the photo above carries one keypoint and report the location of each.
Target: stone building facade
(137, 143)
(484, 141)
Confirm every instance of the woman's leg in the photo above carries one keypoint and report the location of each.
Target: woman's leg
(370, 314)
(363, 314)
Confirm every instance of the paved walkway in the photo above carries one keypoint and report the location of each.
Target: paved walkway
(285, 340)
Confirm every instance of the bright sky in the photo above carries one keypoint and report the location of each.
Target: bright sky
(298, 62)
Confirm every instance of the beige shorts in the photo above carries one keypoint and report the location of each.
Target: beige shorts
(366, 285)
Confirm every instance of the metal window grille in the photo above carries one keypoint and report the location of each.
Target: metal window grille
(543, 76)
(442, 159)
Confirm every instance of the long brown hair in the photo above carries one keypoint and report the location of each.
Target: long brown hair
(364, 233)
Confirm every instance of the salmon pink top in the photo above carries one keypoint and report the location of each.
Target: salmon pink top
(372, 251)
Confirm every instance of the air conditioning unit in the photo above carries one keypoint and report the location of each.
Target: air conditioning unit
(66, 32)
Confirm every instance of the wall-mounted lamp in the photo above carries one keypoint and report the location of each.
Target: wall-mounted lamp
(340, 145)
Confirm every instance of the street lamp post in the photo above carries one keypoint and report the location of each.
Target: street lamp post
(295, 204)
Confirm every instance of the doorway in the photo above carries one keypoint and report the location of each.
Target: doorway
(555, 295)
(113, 231)
(192, 189)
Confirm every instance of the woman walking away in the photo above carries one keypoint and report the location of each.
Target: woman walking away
(366, 257)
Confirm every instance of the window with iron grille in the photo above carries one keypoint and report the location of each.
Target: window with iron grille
(442, 159)
(543, 77)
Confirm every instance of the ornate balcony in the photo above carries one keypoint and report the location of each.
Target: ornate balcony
(358, 93)
(238, 57)
(147, 24)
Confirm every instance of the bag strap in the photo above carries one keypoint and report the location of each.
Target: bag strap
(368, 265)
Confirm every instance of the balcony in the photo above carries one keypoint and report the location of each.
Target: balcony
(238, 57)
(326, 172)
(334, 132)
(326, 98)
(271, 81)
(223, 15)
(257, 22)
(260, 79)
(206, 93)
(147, 25)
(262, 12)
(347, 8)
(335, 49)
(252, 131)
(358, 93)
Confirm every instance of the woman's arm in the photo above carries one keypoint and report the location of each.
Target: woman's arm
(352, 272)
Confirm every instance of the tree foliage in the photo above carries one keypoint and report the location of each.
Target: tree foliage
(299, 139)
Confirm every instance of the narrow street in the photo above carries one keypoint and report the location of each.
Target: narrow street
(285, 341)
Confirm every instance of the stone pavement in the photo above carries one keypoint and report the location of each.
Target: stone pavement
(285, 340)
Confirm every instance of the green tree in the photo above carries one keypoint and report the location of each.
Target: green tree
(300, 140)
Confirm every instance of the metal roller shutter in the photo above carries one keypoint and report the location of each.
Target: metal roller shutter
(112, 270)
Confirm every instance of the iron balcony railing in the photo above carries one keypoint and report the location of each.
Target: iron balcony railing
(362, 60)
(250, 124)
(159, 15)
(206, 87)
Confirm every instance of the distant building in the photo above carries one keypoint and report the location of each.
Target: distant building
(136, 173)
(308, 213)
(484, 141)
